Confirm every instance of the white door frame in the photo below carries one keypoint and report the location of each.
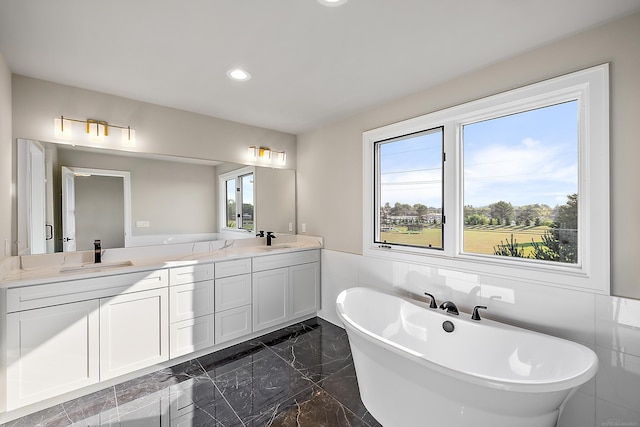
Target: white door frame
(126, 178)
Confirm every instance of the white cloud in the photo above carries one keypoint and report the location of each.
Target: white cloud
(530, 172)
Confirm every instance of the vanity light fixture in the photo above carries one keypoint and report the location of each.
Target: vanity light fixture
(96, 129)
(128, 136)
(332, 3)
(62, 128)
(238, 75)
(267, 155)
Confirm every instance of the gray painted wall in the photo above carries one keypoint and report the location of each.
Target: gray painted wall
(159, 130)
(99, 211)
(330, 158)
(176, 198)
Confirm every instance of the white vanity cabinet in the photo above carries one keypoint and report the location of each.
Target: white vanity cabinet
(66, 335)
(285, 287)
(233, 299)
(191, 295)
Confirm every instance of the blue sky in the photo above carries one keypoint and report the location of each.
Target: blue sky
(524, 158)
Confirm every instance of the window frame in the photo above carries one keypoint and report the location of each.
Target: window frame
(378, 183)
(237, 174)
(591, 88)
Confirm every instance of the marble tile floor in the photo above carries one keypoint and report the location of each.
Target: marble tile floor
(301, 375)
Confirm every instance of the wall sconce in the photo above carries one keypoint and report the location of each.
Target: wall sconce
(96, 129)
(266, 155)
(62, 128)
(128, 136)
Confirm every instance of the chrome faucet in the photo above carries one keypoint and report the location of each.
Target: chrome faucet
(269, 237)
(450, 307)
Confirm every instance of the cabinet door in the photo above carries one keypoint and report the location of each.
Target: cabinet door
(191, 300)
(270, 298)
(51, 351)
(133, 332)
(304, 281)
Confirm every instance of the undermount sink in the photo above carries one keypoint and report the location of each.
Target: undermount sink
(274, 247)
(91, 267)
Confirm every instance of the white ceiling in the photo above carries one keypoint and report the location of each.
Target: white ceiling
(310, 64)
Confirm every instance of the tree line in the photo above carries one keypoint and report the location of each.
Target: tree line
(559, 243)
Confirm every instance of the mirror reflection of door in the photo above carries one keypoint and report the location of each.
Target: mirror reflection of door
(31, 197)
(68, 210)
(93, 208)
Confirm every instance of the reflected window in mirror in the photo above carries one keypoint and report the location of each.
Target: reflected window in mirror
(239, 199)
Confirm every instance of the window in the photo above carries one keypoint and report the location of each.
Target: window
(409, 190)
(516, 185)
(520, 181)
(238, 203)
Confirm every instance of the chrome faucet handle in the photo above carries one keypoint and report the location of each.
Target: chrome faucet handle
(432, 304)
(475, 315)
(450, 307)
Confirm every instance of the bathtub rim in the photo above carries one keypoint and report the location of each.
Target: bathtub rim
(530, 386)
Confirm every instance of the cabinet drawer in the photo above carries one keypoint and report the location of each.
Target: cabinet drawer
(233, 268)
(270, 262)
(191, 335)
(191, 274)
(233, 323)
(30, 297)
(191, 300)
(232, 292)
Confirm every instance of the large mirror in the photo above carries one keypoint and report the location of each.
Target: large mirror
(69, 196)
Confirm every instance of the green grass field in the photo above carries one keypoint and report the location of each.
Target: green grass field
(477, 239)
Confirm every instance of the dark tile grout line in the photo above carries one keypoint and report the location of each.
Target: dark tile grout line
(221, 394)
(317, 384)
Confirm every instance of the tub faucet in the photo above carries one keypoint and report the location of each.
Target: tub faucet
(269, 237)
(432, 304)
(475, 315)
(450, 307)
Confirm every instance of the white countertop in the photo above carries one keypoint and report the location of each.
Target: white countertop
(49, 268)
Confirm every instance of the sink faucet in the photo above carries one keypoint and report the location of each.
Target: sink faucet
(450, 307)
(260, 233)
(97, 251)
(269, 237)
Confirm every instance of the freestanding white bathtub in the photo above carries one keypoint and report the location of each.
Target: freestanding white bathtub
(483, 374)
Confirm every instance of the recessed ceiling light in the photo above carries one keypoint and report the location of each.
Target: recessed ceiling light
(238, 74)
(332, 3)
